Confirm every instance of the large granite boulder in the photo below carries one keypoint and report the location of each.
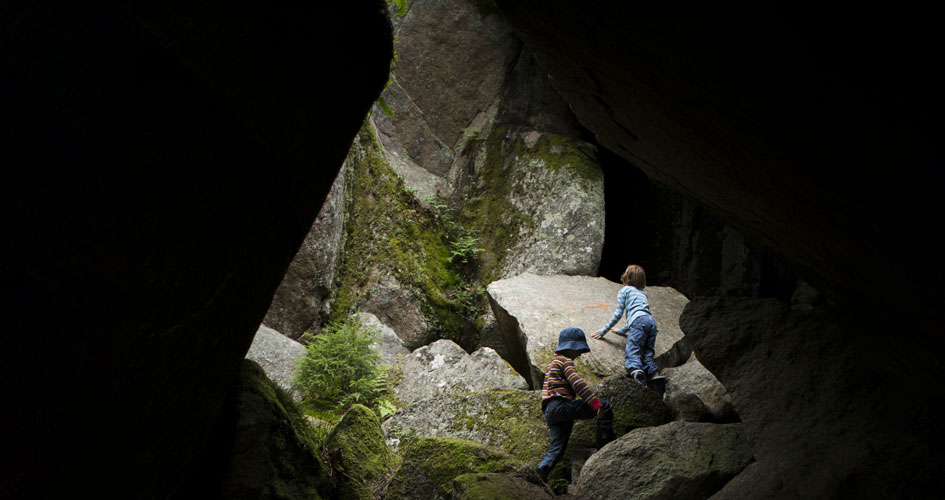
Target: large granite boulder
(832, 426)
(511, 421)
(532, 310)
(277, 355)
(300, 302)
(676, 460)
(536, 200)
(444, 367)
(430, 464)
(162, 163)
(696, 395)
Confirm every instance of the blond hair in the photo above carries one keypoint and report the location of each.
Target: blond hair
(634, 276)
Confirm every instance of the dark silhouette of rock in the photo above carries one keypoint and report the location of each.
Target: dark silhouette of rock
(676, 460)
(162, 164)
(834, 421)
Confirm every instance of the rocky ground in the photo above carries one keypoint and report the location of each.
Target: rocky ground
(469, 426)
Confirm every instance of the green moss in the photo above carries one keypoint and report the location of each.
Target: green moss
(558, 152)
(488, 209)
(512, 418)
(365, 461)
(388, 232)
(482, 487)
(431, 463)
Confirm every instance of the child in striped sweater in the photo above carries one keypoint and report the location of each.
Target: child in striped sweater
(559, 391)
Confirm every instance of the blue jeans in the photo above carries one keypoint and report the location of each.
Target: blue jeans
(560, 415)
(640, 349)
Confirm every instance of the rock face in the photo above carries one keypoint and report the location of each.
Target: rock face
(676, 460)
(511, 421)
(834, 424)
(434, 95)
(537, 200)
(430, 465)
(532, 310)
(394, 263)
(277, 355)
(444, 367)
(697, 395)
(136, 138)
(299, 304)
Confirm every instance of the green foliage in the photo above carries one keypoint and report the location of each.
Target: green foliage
(463, 247)
(400, 7)
(339, 368)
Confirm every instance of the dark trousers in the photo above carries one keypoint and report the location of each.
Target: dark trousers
(560, 415)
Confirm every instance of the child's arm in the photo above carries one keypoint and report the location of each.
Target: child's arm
(621, 307)
(579, 386)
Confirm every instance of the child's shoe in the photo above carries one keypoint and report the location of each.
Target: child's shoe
(639, 377)
(658, 384)
(542, 473)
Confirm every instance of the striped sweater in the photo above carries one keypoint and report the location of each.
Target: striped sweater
(562, 381)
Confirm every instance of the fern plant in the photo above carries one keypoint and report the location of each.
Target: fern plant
(339, 368)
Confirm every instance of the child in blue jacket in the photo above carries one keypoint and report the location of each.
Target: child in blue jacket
(640, 330)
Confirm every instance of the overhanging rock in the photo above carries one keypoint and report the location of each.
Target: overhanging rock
(531, 310)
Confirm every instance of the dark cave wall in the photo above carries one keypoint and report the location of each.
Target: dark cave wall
(162, 162)
(812, 131)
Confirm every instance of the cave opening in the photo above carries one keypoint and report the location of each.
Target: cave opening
(679, 242)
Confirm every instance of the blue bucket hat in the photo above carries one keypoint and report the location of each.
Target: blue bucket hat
(574, 339)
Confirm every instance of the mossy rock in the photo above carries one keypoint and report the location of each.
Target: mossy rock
(430, 464)
(360, 455)
(396, 253)
(496, 487)
(262, 447)
(510, 420)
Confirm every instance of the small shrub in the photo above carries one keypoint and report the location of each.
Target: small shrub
(339, 368)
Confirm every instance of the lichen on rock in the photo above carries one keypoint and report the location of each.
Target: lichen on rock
(536, 202)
